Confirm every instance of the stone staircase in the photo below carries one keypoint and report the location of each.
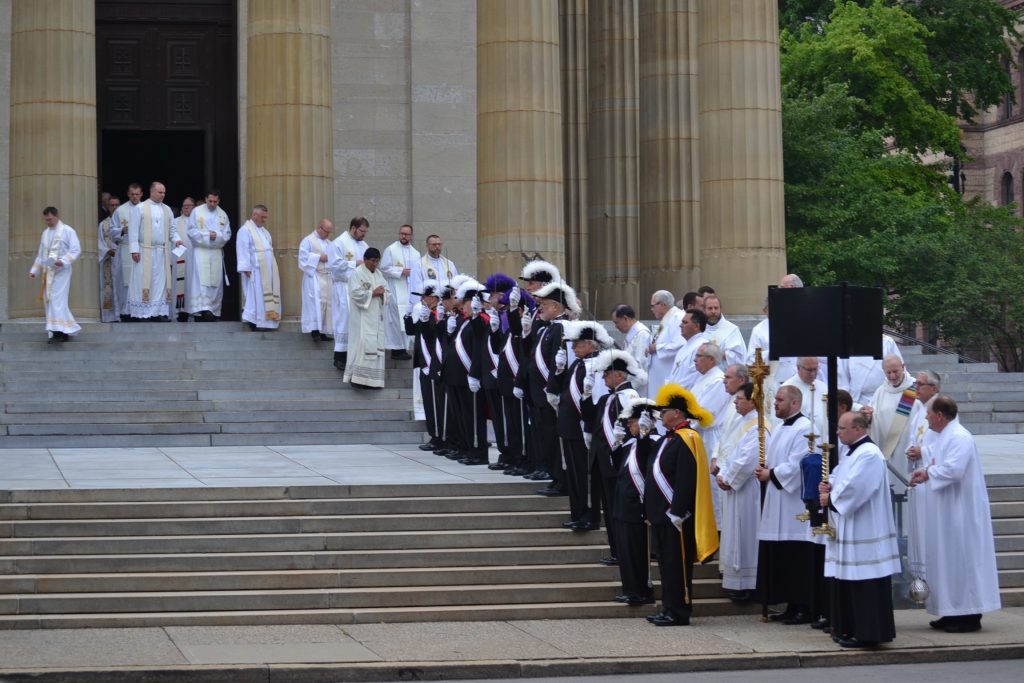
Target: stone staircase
(303, 555)
(189, 384)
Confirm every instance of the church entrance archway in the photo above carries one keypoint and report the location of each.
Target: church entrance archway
(167, 94)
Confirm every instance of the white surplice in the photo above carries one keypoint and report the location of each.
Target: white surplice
(781, 505)
(960, 556)
(206, 280)
(865, 543)
(917, 496)
(861, 375)
(393, 261)
(667, 342)
(366, 354)
(110, 310)
(123, 259)
(181, 267)
(712, 396)
(885, 402)
(728, 338)
(426, 267)
(316, 284)
(59, 243)
(636, 343)
(345, 252)
(250, 259)
(150, 297)
(739, 453)
(683, 372)
(812, 398)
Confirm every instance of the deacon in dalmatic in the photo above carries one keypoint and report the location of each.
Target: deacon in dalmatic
(58, 249)
(863, 555)
(367, 294)
(122, 218)
(314, 253)
(151, 236)
(209, 229)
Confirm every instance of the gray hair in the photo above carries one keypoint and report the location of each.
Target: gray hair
(260, 207)
(791, 280)
(713, 350)
(663, 297)
(933, 378)
(741, 371)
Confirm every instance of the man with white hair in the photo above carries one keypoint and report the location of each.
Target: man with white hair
(711, 394)
(929, 384)
(888, 412)
(684, 373)
(667, 340)
(722, 332)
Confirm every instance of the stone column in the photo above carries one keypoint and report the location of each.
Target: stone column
(573, 47)
(669, 150)
(290, 146)
(519, 133)
(613, 210)
(53, 144)
(743, 240)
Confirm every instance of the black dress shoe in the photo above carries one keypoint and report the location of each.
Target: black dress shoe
(669, 620)
(853, 642)
(609, 561)
(474, 460)
(514, 472)
(963, 626)
(497, 466)
(741, 596)
(584, 526)
(798, 618)
(940, 623)
(570, 524)
(52, 340)
(340, 365)
(455, 455)
(536, 475)
(637, 600)
(656, 615)
(623, 598)
(783, 616)
(400, 355)
(427, 447)
(315, 336)
(550, 493)
(820, 624)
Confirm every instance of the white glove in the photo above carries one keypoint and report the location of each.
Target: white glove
(646, 423)
(588, 386)
(552, 399)
(518, 393)
(527, 322)
(619, 432)
(587, 438)
(560, 360)
(424, 313)
(495, 320)
(476, 305)
(474, 384)
(514, 297)
(677, 522)
(415, 312)
(452, 322)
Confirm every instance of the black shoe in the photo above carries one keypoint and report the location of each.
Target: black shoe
(182, 317)
(444, 452)
(125, 318)
(498, 466)
(251, 326)
(670, 620)
(570, 524)
(324, 337)
(820, 624)
(798, 619)
(53, 340)
(963, 626)
(623, 598)
(940, 623)
(315, 335)
(657, 615)
(427, 447)
(637, 600)
(474, 460)
(783, 616)
(583, 526)
(455, 455)
(609, 561)
(515, 471)
(550, 493)
(853, 642)
(400, 355)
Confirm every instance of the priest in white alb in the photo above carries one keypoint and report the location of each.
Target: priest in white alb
(862, 375)
(261, 279)
(723, 332)
(151, 237)
(637, 339)
(314, 252)
(396, 264)
(181, 265)
(684, 372)
(346, 255)
(889, 413)
(712, 395)
(814, 391)
(106, 250)
(58, 249)
(928, 386)
(121, 219)
(367, 293)
(433, 265)
(960, 558)
(209, 230)
(668, 339)
(863, 555)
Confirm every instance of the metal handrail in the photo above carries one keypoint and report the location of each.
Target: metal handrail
(931, 347)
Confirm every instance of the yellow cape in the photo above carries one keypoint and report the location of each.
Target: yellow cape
(705, 529)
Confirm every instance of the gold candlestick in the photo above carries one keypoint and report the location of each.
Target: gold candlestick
(825, 529)
(758, 371)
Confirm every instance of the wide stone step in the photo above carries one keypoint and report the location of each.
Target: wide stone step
(328, 378)
(1006, 543)
(285, 525)
(1007, 561)
(1000, 494)
(353, 401)
(370, 422)
(1007, 509)
(1008, 527)
(340, 438)
(358, 412)
(139, 507)
(604, 609)
(994, 428)
(1011, 578)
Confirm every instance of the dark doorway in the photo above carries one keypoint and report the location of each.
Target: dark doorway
(167, 104)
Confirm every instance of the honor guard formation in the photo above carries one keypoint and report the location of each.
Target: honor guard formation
(679, 442)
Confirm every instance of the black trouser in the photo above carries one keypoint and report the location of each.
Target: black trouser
(575, 451)
(455, 436)
(602, 493)
(494, 403)
(672, 568)
(431, 410)
(633, 558)
(547, 453)
(470, 407)
(514, 411)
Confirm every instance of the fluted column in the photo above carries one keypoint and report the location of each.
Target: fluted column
(290, 146)
(613, 210)
(669, 149)
(743, 241)
(53, 143)
(519, 133)
(573, 46)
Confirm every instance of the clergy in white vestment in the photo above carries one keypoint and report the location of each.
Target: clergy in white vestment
(433, 265)
(928, 386)
(889, 413)
(367, 293)
(346, 255)
(711, 394)
(960, 558)
(734, 377)
(738, 453)
(862, 375)
(814, 391)
(261, 278)
(209, 230)
(668, 339)
(58, 249)
(637, 339)
(864, 554)
(181, 266)
(314, 253)
(722, 332)
(781, 369)
(151, 237)
(122, 218)
(396, 264)
(785, 558)
(684, 372)
(106, 250)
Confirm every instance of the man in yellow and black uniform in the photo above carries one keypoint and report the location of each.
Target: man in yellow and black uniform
(678, 503)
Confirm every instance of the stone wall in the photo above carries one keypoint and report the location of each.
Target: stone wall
(5, 131)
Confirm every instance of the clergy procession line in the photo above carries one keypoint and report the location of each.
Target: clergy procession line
(660, 442)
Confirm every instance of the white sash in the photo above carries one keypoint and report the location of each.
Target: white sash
(425, 350)
(538, 357)
(633, 467)
(510, 356)
(575, 393)
(659, 477)
(606, 422)
(494, 359)
(460, 348)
